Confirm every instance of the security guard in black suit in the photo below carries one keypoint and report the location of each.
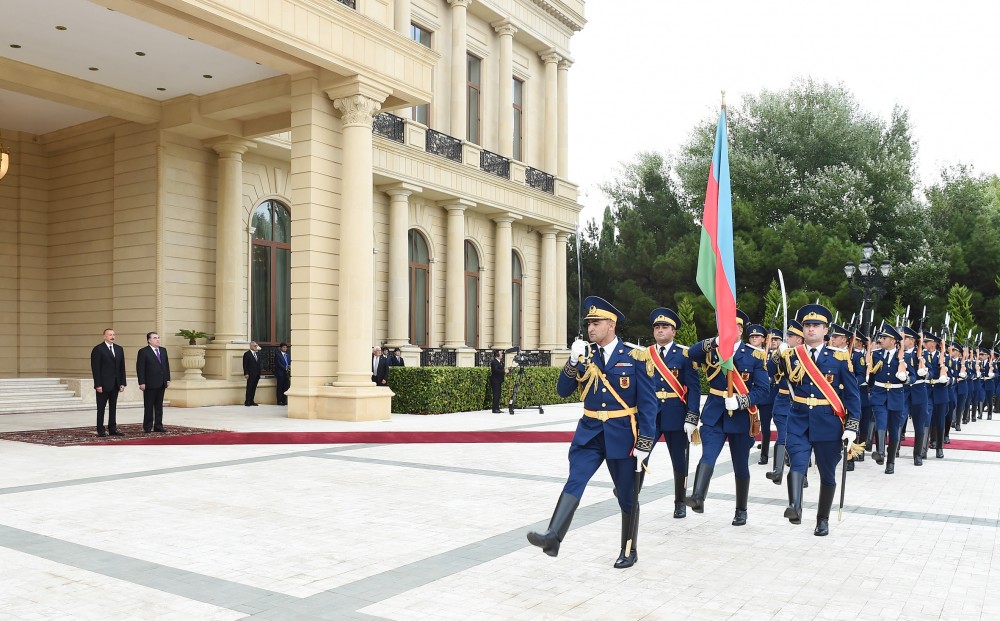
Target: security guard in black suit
(619, 420)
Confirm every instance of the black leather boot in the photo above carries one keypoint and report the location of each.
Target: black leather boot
(794, 510)
(923, 447)
(939, 444)
(850, 465)
(890, 459)
(627, 560)
(779, 465)
(702, 477)
(558, 526)
(742, 494)
(765, 448)
(918, 447)
(680, 491)
(879, 453)
(826, 493)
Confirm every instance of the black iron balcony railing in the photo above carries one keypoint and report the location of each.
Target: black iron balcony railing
(438, 358)
(483, 357)
(351, 3)
(444, 145)
(540, 180)
(494, 164)
(389, 126)
(266, 355)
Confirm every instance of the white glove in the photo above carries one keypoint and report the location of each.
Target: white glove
(640, 456)
(922, 372)
(850, 435)
(732, 403)
(943, 379)
(963, 375)
(715, 341)
(577, 350)
(783, 347)
(901, 376)
(689, 429)
(990, 376)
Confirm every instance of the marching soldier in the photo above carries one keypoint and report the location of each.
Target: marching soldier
(938, 397)
(962, 387)
(756, 334)
(731, 418)
(678, 393)
(838, 341)
(826, 411)
(859, 362)
(955, 371)
(917, 397)
(617, 427)
(887, 373)
(782, 400)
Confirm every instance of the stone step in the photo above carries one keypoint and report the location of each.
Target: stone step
(62, 406)
(32, 395)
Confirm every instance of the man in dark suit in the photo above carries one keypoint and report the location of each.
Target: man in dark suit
(396, 359)
(153, 369)
(107, 363)
(282, 371)
(496, 378)
(251, 372)
(380, 367)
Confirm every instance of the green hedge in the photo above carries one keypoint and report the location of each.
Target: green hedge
(437, 390)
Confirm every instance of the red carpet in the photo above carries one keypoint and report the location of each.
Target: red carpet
(355, 437)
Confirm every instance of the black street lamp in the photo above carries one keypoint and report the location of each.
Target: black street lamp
(868, 279)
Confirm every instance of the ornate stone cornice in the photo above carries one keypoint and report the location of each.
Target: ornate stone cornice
(559, 11)
(357, 110)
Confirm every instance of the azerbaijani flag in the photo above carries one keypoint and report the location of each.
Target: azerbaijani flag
(716, 265)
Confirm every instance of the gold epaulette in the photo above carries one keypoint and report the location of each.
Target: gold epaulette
(841, 355)
(760, 354)
(642, 355)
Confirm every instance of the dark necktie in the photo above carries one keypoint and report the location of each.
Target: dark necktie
(663, 353)
(112, 348)
(600, 353)
(813, 351)
(157, 352)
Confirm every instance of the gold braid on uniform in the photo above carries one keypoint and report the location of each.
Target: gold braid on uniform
(590, 375)
(846, 357)
(856, 450)
(744, 400)
(570, 369)
(642, 355)
(852, 424)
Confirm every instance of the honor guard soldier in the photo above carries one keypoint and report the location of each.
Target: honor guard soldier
(938, 393)
(982, 368)
(615, 382)
(962, 387)
(826, 411)
(838, 339)
(731, 418)
(756, 337)
(955, 371)
(678, 393)
(782, 401)
(887, 374)
(991, 382)
(917, 395)
(860, 363)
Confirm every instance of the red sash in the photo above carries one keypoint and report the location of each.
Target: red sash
(824, 386)
(741, 388)
(661, 366)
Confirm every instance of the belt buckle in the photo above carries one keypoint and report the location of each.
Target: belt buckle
(603, 416)
(811, 402)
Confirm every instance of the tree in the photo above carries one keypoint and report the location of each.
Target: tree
(772, 306)
(688, 333)
(960, 309)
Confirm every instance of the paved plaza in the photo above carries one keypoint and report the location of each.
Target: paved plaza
(420, 531)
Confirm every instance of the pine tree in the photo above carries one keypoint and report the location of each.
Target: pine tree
(897, 312)
(772, 306)
(688, 333)
(960, 308)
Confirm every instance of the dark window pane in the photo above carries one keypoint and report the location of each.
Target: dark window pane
(471, 258)
(283, 295)
(261, 305)
(516, 313)
(418, 306)
(262, 221)
(282, 224)
(472, 310)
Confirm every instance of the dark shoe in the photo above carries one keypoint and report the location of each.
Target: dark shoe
(742, 494)
(100, 432)
(794, 510)
(246, 405)
(918, 445)
(850, 465)
(779, 465)
(860, 457)
(890, 468)
(159, 430)
(763, 459)
(558, 526)
(765, 451)
(939, 453)
(826, 493)
(947, 439)
(879, 453)
(680, 491)
(624, 560)
(254, 404)
(702, 478)
(115, 432)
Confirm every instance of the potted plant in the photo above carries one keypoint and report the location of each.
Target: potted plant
(192, 335)
(193, 359)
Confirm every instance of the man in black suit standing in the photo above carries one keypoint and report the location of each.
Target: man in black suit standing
(282, 371)
(496, 378)
(396, 360)
(380, 367)
(153, 370)
(107, 363)
(251, 372)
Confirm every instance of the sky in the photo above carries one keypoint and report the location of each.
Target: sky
(646, 72)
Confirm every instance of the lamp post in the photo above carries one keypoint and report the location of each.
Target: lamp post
(869, 279)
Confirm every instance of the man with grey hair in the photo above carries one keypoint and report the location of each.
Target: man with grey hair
(251, 372)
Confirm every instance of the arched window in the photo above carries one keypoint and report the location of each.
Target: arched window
(271, 273)
(419, 289)
(471, 296)
(517, 298)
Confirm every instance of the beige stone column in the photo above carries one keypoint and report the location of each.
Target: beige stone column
(454, 298)
(399, 282)
(560, 293)
(551, 132)
(401, 17)
(459, 80)
(229, 236)
(547, 304)
(506, 107)
(502, 310)
(563, 81)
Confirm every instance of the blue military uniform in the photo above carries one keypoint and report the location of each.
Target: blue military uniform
(887, 397)
(616, 386)
(858, 360)
(765, 407)
(674, 409)
(720, 424)
(917, 396)
(938, 390)
(813, 424)
(782, 404)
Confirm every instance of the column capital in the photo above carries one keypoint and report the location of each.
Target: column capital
(548, 231)
(505, 217)
(565, 64)
(400, 189)
(460, 3)
(456, 204)
(229, 145)
(504, 28)
(550, 56)
(357, 110)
